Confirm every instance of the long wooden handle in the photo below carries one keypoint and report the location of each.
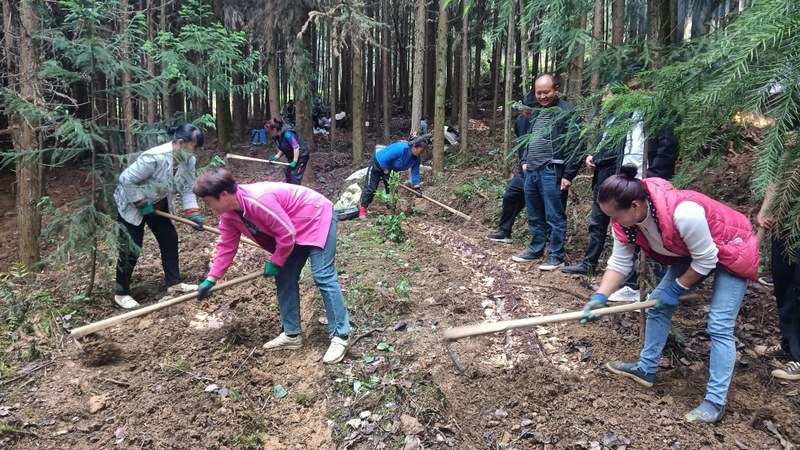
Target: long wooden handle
(111, 321)
(452, 210)
(248, 158)
(489, 328)
(246, 240)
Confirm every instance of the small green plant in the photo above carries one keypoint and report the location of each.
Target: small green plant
(178, 367)
(402, 291)
(391, 225)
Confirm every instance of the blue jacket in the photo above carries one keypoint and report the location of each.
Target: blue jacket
(398, 157)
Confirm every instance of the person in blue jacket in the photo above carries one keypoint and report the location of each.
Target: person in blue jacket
(395, 157)
(290, 144)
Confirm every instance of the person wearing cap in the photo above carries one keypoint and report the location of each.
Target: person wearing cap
(514, 196)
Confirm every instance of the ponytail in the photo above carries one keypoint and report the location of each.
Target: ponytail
(186, 132)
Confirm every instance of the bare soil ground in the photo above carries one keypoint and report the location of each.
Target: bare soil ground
(194, 375)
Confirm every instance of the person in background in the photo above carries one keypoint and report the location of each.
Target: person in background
(423, 125)
(147, 185)
(786, 280)
(395, 157)
(295, 224)
(550, 161)
(695, 236)
(290, 111)
(514, 196)
(290, 144)
(662, 156)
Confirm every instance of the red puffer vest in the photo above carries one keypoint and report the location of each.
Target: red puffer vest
(731, 230)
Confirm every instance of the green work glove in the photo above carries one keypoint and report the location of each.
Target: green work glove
(194, 215)
(274, 158)
(293, 164)
(146, 208)
(204, 290)
(270, 270)
(597, 301)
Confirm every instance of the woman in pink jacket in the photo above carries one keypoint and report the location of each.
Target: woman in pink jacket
(293, 222)
(697, 237)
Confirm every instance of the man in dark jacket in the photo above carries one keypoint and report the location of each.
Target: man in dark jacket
(550, 161)
(514, 197)
(662, 154)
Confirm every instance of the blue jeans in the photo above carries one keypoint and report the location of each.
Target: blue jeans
(726, 298)
(325, 277)
(544, 201)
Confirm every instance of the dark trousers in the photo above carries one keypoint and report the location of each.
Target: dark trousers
(513, 202)
(371, 181)
(295, 175)
(786, 277)
(131, 239)
(598, 229)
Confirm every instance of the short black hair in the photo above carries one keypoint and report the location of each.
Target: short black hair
(213, 183)
(186, 132)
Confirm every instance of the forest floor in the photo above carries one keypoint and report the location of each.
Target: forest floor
(194, 375)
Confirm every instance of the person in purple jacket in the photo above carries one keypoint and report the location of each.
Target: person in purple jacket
(293, 222)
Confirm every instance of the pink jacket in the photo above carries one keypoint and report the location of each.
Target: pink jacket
(730, 229)
(283, 215)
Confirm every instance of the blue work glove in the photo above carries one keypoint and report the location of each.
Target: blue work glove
(274, 158)
(270, 270)
(293, 164)
(146, 208)
(204, 290)
(670, 296)
(597, 301)
(194, 215)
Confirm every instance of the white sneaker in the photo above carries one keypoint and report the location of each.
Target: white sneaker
(284, 342)
(126, 301)
(626, 294)
(336, 351)
(182, 287)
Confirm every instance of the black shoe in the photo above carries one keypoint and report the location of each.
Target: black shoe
(766, 281)
(582, 268)
(500, 236)
(551, 263)
(528, 256)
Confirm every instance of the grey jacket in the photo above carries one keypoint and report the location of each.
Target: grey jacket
(151, 178)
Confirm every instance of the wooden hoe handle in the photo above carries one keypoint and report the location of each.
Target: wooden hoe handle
(495, 327)
(452, 210)
(248, 158)
(111, 321)
(205, 227)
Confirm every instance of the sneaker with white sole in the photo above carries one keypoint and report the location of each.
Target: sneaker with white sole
(336, 351)
(182, 287)
(771, 351)
(626, 294)
(551, 263)
(500, 236)
(126, 301)
(284, 342)
(526, 257)
(790, 372)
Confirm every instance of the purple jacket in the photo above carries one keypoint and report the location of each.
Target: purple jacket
(283, 214)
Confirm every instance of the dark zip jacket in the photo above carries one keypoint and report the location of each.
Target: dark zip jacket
(568, 146)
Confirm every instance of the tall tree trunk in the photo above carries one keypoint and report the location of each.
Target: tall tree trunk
(239, 109)
(476, 81)
(357, 101)
(150, 66)
(525, 41)
(441, 88)
(419, 58)
(597, 34)
(167, 108)
(453, 45)
(387, 101)
(701, 15)
(334, 91)
(658, 28)
(509, 82)
(127, 80)
(617, 22)
(463, 125)
(430, 64)
(496, 82)
(273, 82)
(575, 77)
(21, 24)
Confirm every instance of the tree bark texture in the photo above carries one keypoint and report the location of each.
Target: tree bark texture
(386, 78)
(597, 34)
(419, 59)
(509, 82)
(463, 125)
(358, 101)
(272, 76)
(441, 88)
